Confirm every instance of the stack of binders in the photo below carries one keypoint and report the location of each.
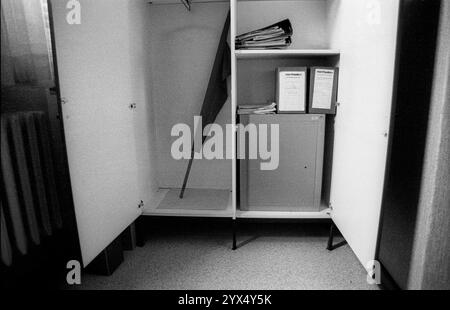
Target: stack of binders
(257, 109)
(276, 36)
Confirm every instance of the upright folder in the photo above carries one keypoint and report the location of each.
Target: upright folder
(292, 89)
(323, 90)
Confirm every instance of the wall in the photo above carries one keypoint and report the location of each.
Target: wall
(418, 32)
(430, 267)
(183, 49)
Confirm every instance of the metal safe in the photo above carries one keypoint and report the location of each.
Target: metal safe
(296, 184)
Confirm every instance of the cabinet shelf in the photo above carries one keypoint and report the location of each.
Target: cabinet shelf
(288, 53)
(323, 214)
(196, 203)
(167, 2)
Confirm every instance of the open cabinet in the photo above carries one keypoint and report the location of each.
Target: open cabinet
(131, 70)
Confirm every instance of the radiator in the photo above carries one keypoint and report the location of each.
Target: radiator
(30, 210)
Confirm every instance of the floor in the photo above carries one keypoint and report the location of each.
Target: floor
(183, 254)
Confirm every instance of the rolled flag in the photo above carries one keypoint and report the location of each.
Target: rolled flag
(217, 91)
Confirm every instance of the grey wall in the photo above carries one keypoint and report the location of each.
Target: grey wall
(181, 54)
(430, 267)
(414, 242)
(419, 24)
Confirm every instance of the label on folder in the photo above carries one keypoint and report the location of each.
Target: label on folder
(292, 91)
(323, 89)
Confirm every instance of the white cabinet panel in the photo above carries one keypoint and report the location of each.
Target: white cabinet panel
(95, 72)
(365, 32)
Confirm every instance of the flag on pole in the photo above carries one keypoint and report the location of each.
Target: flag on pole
(216, 93)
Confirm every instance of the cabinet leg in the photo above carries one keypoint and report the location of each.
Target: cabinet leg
(331, 246)
(108, 260)
(140, 232)
(129, 238)
(330, 237)
(234, 224)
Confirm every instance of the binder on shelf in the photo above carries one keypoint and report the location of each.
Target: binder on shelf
(268, 108)
(291, 90)
(276, 36)
(323, 90)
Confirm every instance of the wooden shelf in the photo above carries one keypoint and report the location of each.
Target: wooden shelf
(272, 0)
(288, 53)
(165, 2)
(196, 203)
(217, 204)
(324, 214)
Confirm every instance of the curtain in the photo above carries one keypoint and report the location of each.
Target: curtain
(26, 43)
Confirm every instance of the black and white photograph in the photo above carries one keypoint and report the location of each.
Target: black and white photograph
(225, 152)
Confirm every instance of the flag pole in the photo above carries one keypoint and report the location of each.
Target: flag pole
(188, 171)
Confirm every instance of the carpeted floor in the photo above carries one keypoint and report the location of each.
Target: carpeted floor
(196, 254)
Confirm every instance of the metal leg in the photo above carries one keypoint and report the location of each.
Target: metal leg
(330, 245)
(330, 237)
(234, 235)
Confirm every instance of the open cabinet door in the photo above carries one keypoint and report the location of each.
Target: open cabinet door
(95, 75)
(366, 34)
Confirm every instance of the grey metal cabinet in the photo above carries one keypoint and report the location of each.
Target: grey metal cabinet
(296, 184)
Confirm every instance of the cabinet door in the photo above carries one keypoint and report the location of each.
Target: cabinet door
(94, 65)
(366, 34)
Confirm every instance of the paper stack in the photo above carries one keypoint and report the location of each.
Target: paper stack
(257, 108)
(276, 36)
